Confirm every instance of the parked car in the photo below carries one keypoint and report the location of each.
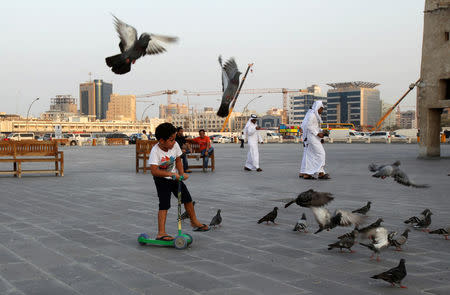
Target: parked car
(272, 137)
(118, 135)
(355, 134)
(380, 134)
(78, 138)
(20, 136)
(399, 136)
(225, 139)
(134, 137)
(216, 138)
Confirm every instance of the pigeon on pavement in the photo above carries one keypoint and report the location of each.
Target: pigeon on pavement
(399, 241)
(354, 232)
(424, 223)
(230, 84)
(269, 216)
(364, 209)
(380, 240)
(346, 242)
(185, 215)
(442, 231)
(132, 48)
(300, 225)
(415, 219)
(311, 198)
(216, 220)
(394, 275)
(339, 218)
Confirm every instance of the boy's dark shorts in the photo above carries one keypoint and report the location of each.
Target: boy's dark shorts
(165, 187)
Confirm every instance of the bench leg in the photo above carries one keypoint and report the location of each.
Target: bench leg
(62, 165)
(145, 163)
(137, 163)
(56, 165)
(15, 169)
(19, 169)
(213, 163)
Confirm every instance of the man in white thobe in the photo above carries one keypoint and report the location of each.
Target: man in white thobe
(313, 162)
(252, 135)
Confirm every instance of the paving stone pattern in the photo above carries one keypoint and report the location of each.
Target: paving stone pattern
(77, 234)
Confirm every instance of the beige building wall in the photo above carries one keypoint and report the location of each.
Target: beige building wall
(370, 106)
(121, 108)
(167, 111)
(207, 120)
(90, 88)
(390, 120)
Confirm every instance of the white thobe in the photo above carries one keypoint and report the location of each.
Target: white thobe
(252, 142)
(313, 161)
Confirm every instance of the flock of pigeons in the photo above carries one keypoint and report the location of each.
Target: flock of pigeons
(132, 48)
(379, 238)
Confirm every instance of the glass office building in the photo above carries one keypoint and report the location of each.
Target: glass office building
(94, 98)
(299, 106)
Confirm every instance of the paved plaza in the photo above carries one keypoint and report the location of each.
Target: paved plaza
(77, 234)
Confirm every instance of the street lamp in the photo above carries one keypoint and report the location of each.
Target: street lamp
(146, 108)
(245, 108)
(28, 113)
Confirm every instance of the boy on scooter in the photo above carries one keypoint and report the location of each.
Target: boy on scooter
(166, 167)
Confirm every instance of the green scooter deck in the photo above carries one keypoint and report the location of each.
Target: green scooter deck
(180, 242)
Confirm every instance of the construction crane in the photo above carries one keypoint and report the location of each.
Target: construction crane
(158, 93)
(411, 87)
(285, 91)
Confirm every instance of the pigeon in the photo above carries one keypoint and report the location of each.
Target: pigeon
(380, 240)
(300, 225)
(230, 84)
(394, 172)
(363, 210)
(132, 48)
(339, 218)
(270, 216)
(394, 275)
(346, 242)
(216, 220)
(424, 223)
(370, 229)
(185, 215)
(399, 241)
(442, 231)
(354, 232)
(311, 198)
(415, 219)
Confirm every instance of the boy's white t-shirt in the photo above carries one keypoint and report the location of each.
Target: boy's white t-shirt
(165, 160)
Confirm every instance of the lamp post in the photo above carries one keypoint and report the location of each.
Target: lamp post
(28, 113)
(146, 108)
(245, 108)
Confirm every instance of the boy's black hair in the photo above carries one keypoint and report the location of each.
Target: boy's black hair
(164, 131)
(143, 131)
(201, 130)
(179, 128)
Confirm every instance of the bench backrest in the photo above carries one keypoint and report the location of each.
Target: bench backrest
(28, 148)
(145, 146)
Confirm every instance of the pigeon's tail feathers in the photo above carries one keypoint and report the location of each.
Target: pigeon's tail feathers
(220, 61)
(289, 204)
(412, 220)
(334, 245)
(114, 60)
(118, 64)
(373, 167)
(223, 110)
(439, 231)
(419, 185)
(370, 246)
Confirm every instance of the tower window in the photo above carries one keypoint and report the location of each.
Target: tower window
(446, 36)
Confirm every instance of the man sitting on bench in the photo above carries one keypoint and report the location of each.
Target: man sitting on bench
(185, 148)
(205, 147)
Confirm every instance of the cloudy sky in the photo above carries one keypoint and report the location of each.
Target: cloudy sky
(49, 47)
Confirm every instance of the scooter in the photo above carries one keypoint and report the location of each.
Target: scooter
(181, 241)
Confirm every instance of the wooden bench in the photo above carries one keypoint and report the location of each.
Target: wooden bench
(115, 141)
(143, 149)
(18, 152)
(196, 154)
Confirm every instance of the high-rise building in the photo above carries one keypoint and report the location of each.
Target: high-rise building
(390, 120)
(300, 104)
(61, 108)
(354, 102)
(405, 120)
(207, 120)
(121, 108)
(94, 98)
(167, 111)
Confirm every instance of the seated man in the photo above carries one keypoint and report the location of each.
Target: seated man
(185, 148)
(205, 147)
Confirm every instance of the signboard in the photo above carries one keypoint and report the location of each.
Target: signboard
(289, 129)
(58, 131)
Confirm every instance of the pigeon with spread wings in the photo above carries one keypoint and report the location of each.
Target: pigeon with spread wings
(132, 48)
(230, 84)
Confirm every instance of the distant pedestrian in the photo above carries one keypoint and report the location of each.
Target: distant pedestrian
(253, 138)
(241, 139)
(144, 135)
(185, 148)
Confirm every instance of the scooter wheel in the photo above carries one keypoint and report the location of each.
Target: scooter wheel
(190, 238)
(143, 236)
(180, 243)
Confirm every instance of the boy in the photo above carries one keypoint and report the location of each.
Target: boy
(166, 168)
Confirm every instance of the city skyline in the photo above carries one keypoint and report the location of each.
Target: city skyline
(333, 42)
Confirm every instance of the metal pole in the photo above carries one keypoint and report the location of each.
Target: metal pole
(235, 97)
(146, 110)
(28, 113)
(245, 108)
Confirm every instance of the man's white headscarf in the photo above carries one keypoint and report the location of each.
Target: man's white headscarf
(315, 107)
(313, 110)
(252, 117)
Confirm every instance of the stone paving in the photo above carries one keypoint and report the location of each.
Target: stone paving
(77, 234)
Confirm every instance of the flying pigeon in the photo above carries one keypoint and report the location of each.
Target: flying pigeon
(270, 216)
(216, 220)
(399, 241)
(311, 198)
(394, 275)
(424, 223)
(364, 209)
(185, 215)
(300, 225)
(370, 229)
(230, 84)
(414, 219)
(394, 172)
(339, 218)
(346, 242)
(442, 231)
(380, 240)
(132, 48)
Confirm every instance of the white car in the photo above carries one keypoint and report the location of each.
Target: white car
(273, 137)
(79, 138)
(380, 134)
(225, 139)
(355, 134)
(20, 136)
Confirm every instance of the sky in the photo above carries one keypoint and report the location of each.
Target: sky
(49, 47)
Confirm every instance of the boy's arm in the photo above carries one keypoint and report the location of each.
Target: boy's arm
(179, 166)
(154, 169)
